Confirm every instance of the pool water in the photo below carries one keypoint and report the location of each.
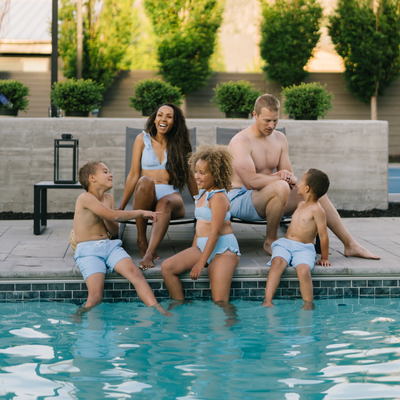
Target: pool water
(344, 349)
(394, 180)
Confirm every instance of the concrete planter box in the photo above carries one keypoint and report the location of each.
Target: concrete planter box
(353, 153)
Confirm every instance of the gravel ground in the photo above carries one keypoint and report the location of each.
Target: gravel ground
(392, 211)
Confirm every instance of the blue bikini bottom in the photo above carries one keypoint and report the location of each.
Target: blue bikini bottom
(163, 190)
(225, 243)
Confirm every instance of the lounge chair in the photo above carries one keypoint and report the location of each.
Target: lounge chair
(131, 134)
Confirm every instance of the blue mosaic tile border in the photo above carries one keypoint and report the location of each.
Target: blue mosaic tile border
(121, 290)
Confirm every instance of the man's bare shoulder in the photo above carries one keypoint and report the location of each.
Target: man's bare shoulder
(242, 137)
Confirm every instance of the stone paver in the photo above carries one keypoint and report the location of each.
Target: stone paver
(49, 256)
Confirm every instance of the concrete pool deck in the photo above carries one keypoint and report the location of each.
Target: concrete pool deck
(32, 265)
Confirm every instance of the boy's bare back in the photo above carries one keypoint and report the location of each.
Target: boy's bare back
(87, 225)
(303, 227)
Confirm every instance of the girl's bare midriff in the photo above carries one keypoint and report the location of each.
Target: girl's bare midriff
(203, 228)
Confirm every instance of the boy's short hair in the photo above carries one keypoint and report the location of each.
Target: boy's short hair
(266, 101)
(88, 169)
(318, 182)
(220, 163)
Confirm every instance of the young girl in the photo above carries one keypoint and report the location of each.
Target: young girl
(214, 244)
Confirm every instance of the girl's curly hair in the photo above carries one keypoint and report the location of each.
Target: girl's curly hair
(178, 146)
(220, 162)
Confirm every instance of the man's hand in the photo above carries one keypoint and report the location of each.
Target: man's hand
(151, 215)
(288, 177)
(324, 263)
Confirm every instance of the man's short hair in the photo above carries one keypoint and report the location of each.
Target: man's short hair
(318, 182)
(88, 169)
(266, 101)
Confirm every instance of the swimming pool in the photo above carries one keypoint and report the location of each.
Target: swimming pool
(344, 349)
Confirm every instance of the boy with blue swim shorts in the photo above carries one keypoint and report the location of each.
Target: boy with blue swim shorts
(297, 248)
(95, 218)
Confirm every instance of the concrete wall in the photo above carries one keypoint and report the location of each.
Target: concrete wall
(353, 153)
(198, 104)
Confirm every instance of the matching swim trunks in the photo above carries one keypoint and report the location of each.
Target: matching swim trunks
(294, 253)
(98, 255)
(242, 205)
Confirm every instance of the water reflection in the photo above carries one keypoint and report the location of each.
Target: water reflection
(127, 351)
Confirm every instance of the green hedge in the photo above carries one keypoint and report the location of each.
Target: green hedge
(77, 95)
(15, 92)
(237, 96)
(150, 93)
(307, 99)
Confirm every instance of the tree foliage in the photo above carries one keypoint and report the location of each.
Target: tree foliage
(368, 40)
(187, 32)
(107, 35)
(289, 34)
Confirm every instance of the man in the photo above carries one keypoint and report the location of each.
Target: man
(264, 186)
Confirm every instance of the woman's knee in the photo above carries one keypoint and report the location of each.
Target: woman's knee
(164, 204)
(145, 184)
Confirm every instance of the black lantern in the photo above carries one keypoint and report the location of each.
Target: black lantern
(66, 152)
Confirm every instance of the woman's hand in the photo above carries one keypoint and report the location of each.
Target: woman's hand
(196, 271)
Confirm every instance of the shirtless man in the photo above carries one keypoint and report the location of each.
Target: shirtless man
(259, 193)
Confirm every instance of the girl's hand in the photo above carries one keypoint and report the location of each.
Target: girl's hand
(196, 271)
(151, 215)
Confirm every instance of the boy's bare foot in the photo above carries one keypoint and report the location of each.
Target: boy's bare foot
(162, 310)
(148, 261)
(308, 306)
(267, 303)
(267, 248)
(356, 250)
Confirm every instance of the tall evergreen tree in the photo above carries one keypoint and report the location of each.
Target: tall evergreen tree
(366, 35)
(289, 34)
(107, 34)
(187, 33)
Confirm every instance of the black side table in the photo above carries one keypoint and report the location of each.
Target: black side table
(40, 202)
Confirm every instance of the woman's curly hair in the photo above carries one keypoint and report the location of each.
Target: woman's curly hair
(178, 146)
(220, 163)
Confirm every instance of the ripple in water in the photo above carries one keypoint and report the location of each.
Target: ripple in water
(127, 350)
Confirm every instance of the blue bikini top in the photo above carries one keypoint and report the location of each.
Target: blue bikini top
(149, 158)
(204, 212)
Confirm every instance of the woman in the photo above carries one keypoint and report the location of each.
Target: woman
(159, 171)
